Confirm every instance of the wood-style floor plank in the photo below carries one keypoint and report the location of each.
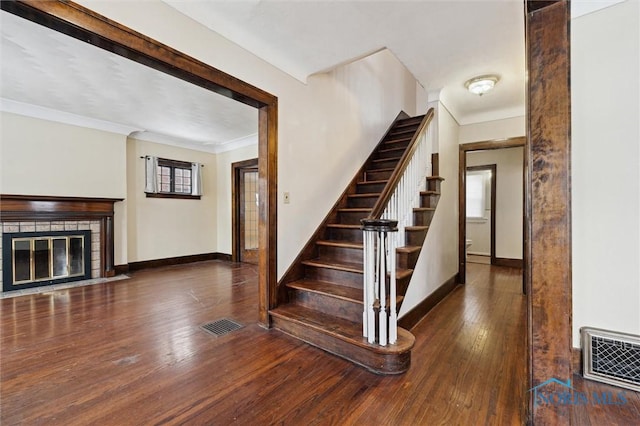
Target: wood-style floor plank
(131, 352)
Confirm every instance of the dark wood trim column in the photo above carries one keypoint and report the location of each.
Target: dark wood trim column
(268, 222)
(548, 249)
(109, 254)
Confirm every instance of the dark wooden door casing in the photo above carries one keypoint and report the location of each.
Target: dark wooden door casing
(90, 27)
(237, 220)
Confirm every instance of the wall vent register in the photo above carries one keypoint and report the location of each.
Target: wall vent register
(611, 357)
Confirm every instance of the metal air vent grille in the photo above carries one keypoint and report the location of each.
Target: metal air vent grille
(611, 357)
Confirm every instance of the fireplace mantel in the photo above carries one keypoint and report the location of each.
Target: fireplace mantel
(22, 208)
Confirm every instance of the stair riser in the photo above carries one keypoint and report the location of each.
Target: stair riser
(362, 202)
(396, 143)
(433, 185)
(422, 218)
(386, 164)
(401, 287)
(407, 260)
(403, 131)
(349, 279)
(378, 175)
(370, 188)
(352, 218)
(341, 308)
(415, 238)
(350, 255)
(429, 200)
(339, 234)
(393, 153)
(376, 362)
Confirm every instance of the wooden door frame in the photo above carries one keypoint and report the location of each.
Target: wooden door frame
(492, 220)
(83, 24)
(462, 199)
(235, 204)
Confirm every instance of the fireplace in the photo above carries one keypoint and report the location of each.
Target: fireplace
(48, 240)
(35, 259)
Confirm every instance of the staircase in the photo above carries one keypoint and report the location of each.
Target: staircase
(321, 295)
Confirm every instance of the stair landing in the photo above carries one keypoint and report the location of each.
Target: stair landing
(344, 338)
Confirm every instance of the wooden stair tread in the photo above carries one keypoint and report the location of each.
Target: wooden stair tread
(391, 149)
(435, 178)
(403, 273)
(423, 209)
(343, 226)
(367, 195)
(382, 160)
(408, 249)
(334, 290)
(416, 228)
(355, 209)
(388, 169)
(373, 182)
(429, 193)
(413, 120)
(342, 244)
(342, 329)
(357, 268)
(332, 264)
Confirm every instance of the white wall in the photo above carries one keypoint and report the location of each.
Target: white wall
(490, 130)
(605, 58)
(223, 190)
(326, 128)
(40, 157)
(438, 260)
(509, 186)
(161, 227)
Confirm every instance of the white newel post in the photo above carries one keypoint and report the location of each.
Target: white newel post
(379, 263)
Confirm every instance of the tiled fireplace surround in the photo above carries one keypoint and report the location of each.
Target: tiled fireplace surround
(24, 213)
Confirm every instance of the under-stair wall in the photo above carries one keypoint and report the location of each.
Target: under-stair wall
(437, 265)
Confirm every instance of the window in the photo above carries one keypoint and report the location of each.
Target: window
(477, 186)
(172, 179)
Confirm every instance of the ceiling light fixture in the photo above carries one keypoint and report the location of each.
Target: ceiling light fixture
(482, 84)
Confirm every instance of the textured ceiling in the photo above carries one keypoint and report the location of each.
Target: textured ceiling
(443, 43)
(44, 68)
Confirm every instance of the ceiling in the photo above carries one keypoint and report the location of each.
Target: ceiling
(52, 76)
(442, 43)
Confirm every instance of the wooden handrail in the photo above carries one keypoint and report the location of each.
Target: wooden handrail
(391, 185)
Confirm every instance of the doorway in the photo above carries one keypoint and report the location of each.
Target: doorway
(245, 216)
(495, 235)
(480, 240)
(84, 24)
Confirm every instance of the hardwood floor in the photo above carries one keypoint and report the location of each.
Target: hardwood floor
(131, 352)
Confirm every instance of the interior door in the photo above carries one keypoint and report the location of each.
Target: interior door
(248, 215)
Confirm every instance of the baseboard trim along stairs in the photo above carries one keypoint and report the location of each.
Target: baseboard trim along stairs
(321, 295)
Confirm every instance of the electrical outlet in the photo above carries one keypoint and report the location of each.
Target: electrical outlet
(287, 199)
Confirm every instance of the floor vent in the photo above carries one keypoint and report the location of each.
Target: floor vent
(611, 357)
(221, 327)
